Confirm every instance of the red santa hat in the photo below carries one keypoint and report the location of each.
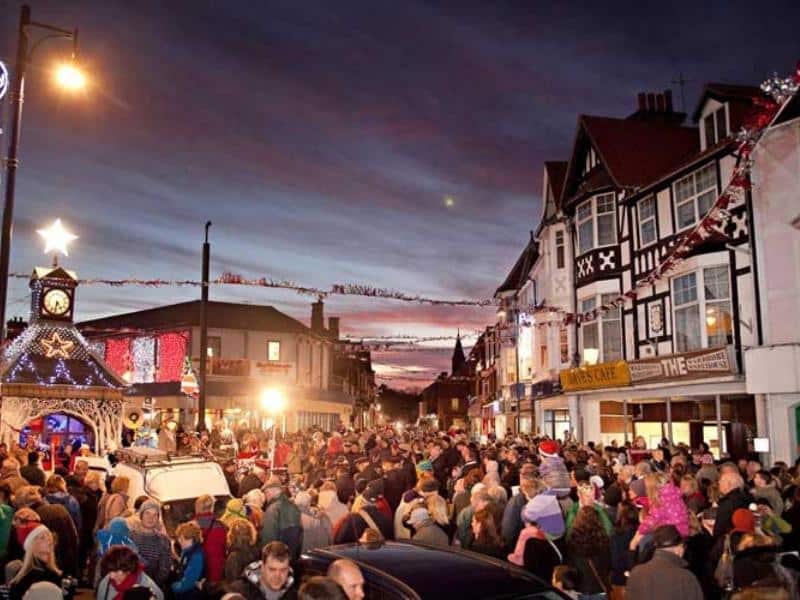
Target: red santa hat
(548, 448)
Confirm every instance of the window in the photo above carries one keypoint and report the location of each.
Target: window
(705, 293)
(596, 223)
(602, 338)
(559, 249)
(647, 221)
(214, 348)
(590, 161)
(563, 342)
(715, 126)
(695, 195)
(273, 350)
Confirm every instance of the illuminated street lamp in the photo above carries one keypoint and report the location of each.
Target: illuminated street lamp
(273, 402)
(67, 76)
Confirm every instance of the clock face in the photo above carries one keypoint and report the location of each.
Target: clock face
(56, 302)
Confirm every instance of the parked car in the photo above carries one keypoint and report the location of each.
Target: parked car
(175, 481)
(410, 571)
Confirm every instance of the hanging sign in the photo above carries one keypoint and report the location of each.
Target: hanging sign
(711, 362)
(594, 377)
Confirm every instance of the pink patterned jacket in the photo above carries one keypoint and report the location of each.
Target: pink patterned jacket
(670, 510)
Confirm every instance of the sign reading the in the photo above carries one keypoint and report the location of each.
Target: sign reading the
(712, 362)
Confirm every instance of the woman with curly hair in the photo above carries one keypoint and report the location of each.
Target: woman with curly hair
(242, 548)
(589, 551)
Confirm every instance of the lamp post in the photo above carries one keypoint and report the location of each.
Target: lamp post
(273, 402)
(67, 76)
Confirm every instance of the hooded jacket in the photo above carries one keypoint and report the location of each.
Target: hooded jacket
(249, 585)
(670, 510)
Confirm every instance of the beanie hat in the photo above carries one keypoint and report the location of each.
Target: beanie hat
(43, 590)
(544, 510)
(425, 465)
(235, 507)
(548, 448)
(149, 504)
(743, 520)
(33, 534)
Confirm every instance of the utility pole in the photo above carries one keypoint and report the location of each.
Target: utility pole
(201, 403)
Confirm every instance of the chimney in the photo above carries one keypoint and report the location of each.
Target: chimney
(318, 317)
(660, 102)
(668, 100)
(651, 102)
(657, 108)
(333, 328)
(642, 97)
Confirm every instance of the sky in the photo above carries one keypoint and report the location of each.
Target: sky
(392, 144)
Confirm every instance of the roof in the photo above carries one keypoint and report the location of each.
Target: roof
(221, 315)
(70, 362)
(519, 272)
(556, 174)
(427, 571)
(726, 92)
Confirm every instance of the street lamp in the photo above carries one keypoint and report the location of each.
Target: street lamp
(67, 76)
(273, 402)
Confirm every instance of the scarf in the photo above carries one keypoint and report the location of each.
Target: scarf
(127, 583)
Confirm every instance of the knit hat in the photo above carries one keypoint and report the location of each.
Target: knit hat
(149, 504)
(34, 533)
(235, 507)
(743, 520)
(418, 515)
(544, 510)
(43, 590)
(548, 448)
(425, 465)
(302, 499)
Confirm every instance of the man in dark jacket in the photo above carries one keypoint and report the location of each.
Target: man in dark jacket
(281, 520)
(33, 470)
(394, 481)
(271, 578)
(354, 524)
(345, 487)
(441, 468)
(252, 481)
(665, 576)
(733, 496)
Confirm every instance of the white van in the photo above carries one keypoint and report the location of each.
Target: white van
(175, 481)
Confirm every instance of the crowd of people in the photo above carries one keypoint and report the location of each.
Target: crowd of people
(615, 521)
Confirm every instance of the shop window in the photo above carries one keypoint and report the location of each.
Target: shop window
(273, 350)
(702, 307)
(695, 195)
(602, 338)
(556, 422)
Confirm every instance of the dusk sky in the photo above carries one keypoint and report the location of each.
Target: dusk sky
(323, 138)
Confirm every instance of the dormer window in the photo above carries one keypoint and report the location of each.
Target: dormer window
(590, 161)
(715, 125)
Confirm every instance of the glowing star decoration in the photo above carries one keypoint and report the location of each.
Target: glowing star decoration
(56, 238)
(449, 202)
(56, 347)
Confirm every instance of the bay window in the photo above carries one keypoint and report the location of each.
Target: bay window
(695, 195)
(596, 223)
(648, 232)
(602, 338)
(702, 308)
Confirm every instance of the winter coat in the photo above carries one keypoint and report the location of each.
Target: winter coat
(249, 585)
(317, 528)
(190, 572)
(214, 546)
(541, 557)
(663, 577)
(349, 530)
(68, 502)
(394, 484)
(345, 489)
(670, 510)
(734, 499)
(238, 559)
(329, 502)
(106, 591)
(569, 519)
(56, 518)
(511, 525)
(39, 573)
(155, 552)
(33, 474)
(281, 522)
(771, 495)
(431, 534)
(621, 556)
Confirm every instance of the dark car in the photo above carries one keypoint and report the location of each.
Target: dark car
(409, 571)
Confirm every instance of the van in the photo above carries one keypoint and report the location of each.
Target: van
(175, 481)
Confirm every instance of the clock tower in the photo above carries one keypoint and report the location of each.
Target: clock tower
(52, 294)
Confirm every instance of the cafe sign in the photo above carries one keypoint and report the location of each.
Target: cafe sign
(594, 377)
(712, 362)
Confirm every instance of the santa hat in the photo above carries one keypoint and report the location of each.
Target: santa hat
(30, 539)
(548, 448)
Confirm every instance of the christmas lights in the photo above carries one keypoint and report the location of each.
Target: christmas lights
(118, 355)
(172, 350)
(143, 354)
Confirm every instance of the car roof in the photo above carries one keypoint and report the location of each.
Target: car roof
(433, 571)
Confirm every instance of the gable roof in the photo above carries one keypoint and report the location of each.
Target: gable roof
(556, 174)
(519, 272)
(221, 315)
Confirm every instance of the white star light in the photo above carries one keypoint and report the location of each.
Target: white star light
(56, 238)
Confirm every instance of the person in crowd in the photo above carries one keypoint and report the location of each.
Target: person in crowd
(665, 575)
(32, 472)
(56, 493)
(10, 475)
(270, 578)
(348, 576)
(6, 520)
(328, 501)
(694, 499)
(213, 538)
(243, 550)
(234, 509)
(732, 497)
(191, 567)
(425, 529)
(478, 501)
(152, 543)
(535, 551)
(38, 564)
(113, 504)
(665, 507)
(124, 571)
(281, 520)
(365, 515)
(316, 526)
(588, 551)
(485, 537)
(765, 486)
(320, 588)
(256, 478)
